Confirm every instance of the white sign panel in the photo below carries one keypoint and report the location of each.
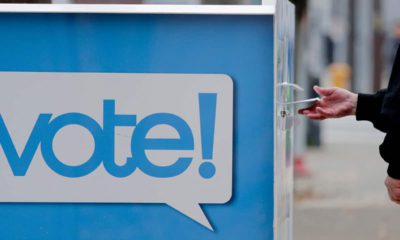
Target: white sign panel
(116, 138)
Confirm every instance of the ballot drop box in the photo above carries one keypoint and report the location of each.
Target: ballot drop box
(146, 121)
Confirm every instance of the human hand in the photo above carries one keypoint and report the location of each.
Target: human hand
(393, 187)
(334, 103)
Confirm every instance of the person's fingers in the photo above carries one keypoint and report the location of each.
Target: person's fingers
(323, 91)
(387, 183)
(390, 192)
(396, 194)
(393, 192)
(325, 112)
(307, 112)
(394, 197)
(395, 183)
(307, 109)
(397, 201)
(392, 182)
(303, 111)
(315, 116)
(318, 118)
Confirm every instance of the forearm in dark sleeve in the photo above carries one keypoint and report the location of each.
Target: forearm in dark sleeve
(369, 108)
(389, 150)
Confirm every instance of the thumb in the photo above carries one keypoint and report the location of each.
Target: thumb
(323, 91)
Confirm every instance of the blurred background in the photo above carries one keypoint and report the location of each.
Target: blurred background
(339, 175)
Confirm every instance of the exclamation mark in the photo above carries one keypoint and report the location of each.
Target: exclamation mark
(207, 108)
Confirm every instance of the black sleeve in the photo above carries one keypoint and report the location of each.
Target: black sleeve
(390, 115)
(383, 110)
(389, 152)
(369, 107)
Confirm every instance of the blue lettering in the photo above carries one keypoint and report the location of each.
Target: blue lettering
(73, 119)
(46, 128)
(110, 121)
(20, 164)
(140, 143)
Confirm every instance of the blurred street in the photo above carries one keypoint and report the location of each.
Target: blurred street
(344, 197)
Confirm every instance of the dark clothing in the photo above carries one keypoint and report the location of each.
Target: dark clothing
(383, 110)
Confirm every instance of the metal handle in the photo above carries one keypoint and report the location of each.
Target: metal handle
(293, 85)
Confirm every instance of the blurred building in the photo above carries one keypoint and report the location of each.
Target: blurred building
(335, 47)
(344, 43)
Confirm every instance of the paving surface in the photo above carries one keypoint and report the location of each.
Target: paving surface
(342, 224)
(344, 197)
